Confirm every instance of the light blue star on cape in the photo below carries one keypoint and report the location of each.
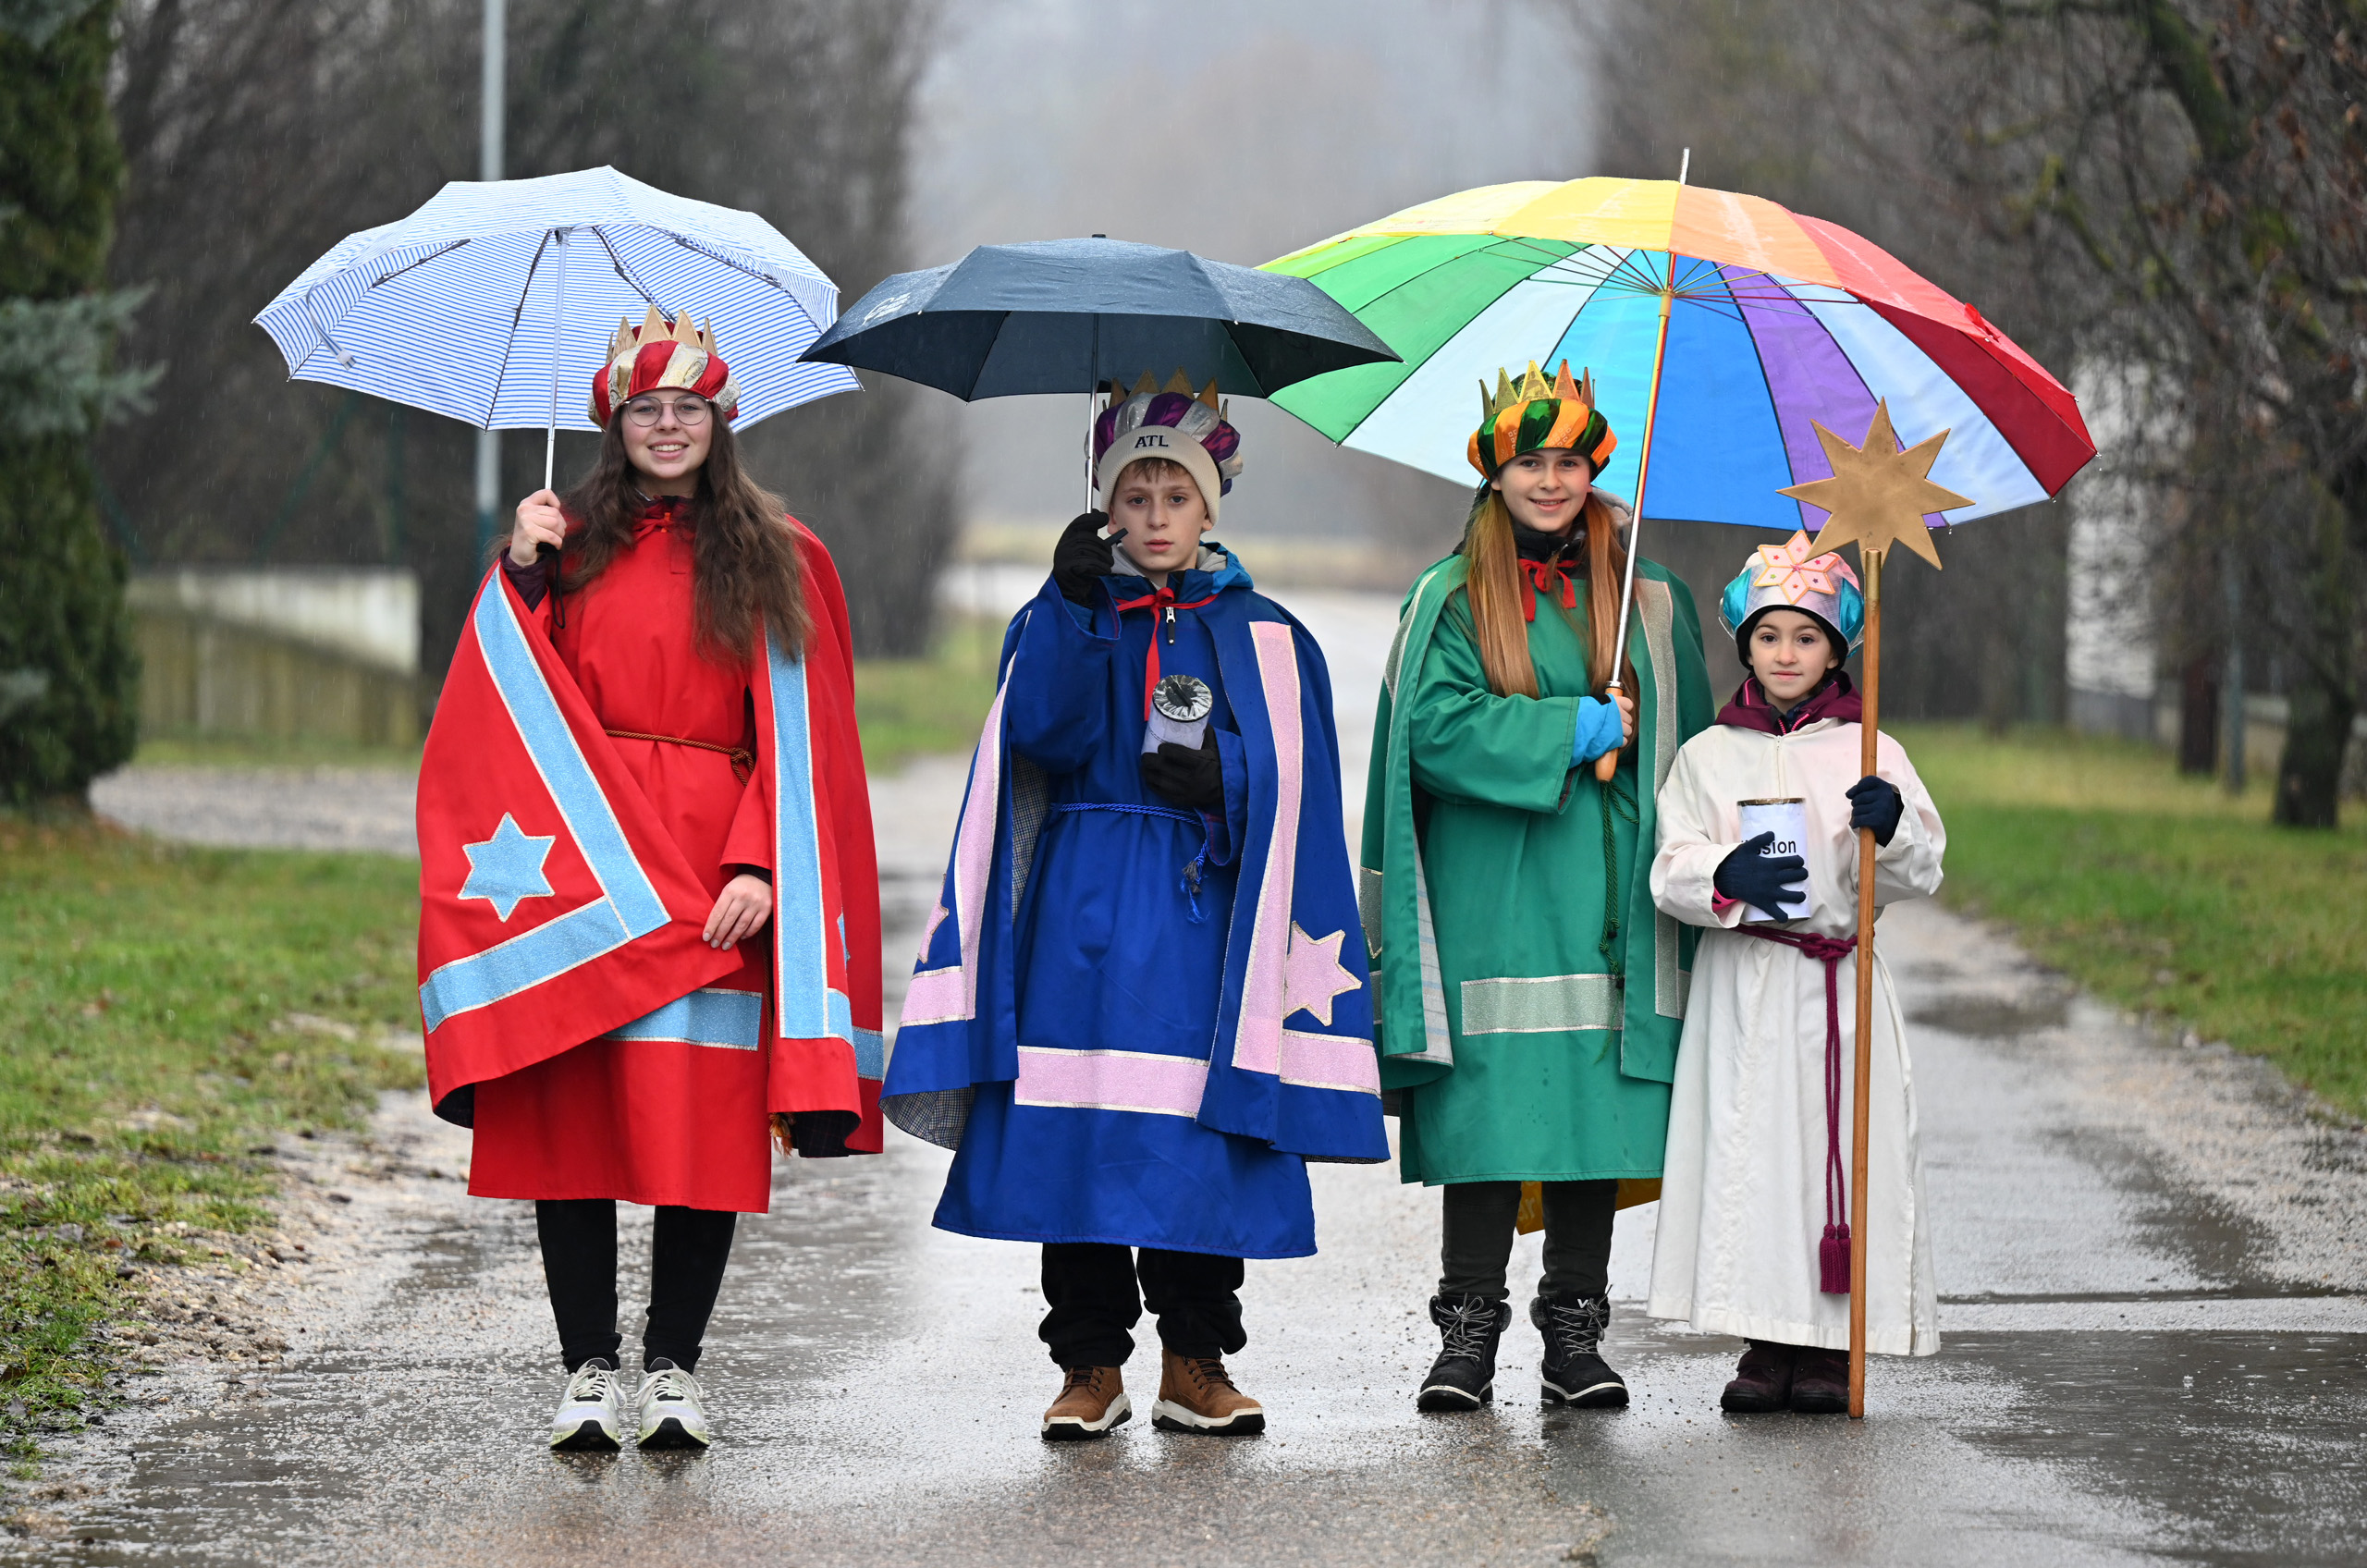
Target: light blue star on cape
(507, 867)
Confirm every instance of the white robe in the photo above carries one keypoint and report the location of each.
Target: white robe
(1742, 1203)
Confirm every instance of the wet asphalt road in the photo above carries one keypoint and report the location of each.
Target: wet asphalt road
(2155, 1350)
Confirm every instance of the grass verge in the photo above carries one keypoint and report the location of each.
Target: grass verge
(911, 707)
(167, 1010)
(2162, 893)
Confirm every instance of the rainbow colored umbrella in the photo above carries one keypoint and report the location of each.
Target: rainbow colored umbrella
(1774, 321)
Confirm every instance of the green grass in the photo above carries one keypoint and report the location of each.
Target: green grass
(2163, 893)
(911, 707)
(166, 1010)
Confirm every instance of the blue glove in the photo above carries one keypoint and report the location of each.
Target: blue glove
(1599, 730)
(1875, 802)
(1750, 874)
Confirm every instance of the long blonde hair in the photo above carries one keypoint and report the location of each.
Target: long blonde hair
(1491, 561)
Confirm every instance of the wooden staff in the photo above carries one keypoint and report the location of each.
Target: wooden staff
(1868, 735)
(1878, 496)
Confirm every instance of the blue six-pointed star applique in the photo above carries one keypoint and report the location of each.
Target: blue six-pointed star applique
(507, 867)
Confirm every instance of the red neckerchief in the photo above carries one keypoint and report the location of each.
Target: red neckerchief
(1162, 604)
(1751, 710)
(1550, 578)
(662, 512)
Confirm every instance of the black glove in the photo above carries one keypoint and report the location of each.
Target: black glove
(1750, 874)
(1190, 778)
(1875, 802)
(1082, 557)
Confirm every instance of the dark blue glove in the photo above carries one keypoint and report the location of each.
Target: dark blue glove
(1750, 874)
(1189, 778)
(1876, 804)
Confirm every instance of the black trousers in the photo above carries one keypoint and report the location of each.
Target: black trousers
(1476, 1244)
(1089, 1289)
(687, 1255)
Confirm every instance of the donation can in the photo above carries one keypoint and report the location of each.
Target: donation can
(1788, 820)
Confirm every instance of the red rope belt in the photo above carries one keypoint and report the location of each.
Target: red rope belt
(742, 761)
(1832, 1251)
(1162, 603)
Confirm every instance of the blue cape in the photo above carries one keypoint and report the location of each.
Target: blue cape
(1292, 1063)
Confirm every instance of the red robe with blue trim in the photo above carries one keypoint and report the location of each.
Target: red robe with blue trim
(572, 1011)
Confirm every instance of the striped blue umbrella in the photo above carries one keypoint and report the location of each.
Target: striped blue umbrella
(493, 304)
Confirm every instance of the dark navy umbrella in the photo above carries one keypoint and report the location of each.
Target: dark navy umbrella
(1068, 315)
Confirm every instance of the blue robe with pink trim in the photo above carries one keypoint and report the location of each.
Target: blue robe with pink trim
(1118, 1051)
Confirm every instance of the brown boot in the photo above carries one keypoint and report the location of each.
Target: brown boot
(1196, 1394)
(1763, 1382)
(1091, 1402)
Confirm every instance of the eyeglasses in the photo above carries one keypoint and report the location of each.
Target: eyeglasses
(645, 412)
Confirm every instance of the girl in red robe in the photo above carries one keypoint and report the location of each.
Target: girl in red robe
(672, 569)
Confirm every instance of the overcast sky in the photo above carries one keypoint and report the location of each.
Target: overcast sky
(1241, 129)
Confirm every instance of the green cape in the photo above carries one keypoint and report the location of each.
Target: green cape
(1522, 1034)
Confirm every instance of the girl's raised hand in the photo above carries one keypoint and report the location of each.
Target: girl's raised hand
(539, 522)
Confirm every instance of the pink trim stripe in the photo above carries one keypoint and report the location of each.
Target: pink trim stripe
(1162, 1085)
(973, 848)
(1258, 1043)
(936, 996)
(1330, 1061)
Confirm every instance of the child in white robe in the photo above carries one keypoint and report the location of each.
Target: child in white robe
(1753, 1237)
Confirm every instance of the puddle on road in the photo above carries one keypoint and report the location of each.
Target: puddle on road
(1992, 1017)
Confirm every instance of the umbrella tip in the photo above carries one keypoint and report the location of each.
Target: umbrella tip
(1685, 166)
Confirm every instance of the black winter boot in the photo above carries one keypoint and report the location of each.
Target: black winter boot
(1464, 1376)
(1574, 1372)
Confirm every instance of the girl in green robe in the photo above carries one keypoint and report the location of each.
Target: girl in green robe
(1530, 995)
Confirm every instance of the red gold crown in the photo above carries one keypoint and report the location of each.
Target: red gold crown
(662, 353)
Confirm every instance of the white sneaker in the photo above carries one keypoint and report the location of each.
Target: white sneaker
(671, 1414)
(591, 1414)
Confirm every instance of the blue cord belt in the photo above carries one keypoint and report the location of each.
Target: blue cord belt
(1190, 879)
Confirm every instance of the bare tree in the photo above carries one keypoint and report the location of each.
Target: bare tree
(2204, 165)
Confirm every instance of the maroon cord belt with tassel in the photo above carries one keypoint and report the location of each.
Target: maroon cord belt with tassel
(1832, 1251)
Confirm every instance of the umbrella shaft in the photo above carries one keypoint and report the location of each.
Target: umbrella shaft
(558, 312)
(1643, 474)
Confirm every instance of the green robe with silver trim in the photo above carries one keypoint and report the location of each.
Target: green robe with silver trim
(1523, 1036)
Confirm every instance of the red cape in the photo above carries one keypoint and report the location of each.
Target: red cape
(554, 911)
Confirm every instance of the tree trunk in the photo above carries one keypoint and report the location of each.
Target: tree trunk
(2309, 775)
(2199, 715)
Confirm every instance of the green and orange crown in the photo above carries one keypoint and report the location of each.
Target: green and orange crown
(1536, 415)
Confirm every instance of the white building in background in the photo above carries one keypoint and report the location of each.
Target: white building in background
(2112, 661)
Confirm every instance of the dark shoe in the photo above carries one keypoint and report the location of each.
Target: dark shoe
(1574, 1373)
(1763, 1382)
(1820, 1382)
(1464, 1376)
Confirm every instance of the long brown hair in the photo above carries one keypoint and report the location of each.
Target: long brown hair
(744, 571)
(1499, 623)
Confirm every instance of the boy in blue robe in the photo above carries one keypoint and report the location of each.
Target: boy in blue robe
(1142, 1005)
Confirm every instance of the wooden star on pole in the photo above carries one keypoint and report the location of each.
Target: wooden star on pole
(1878, 495)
